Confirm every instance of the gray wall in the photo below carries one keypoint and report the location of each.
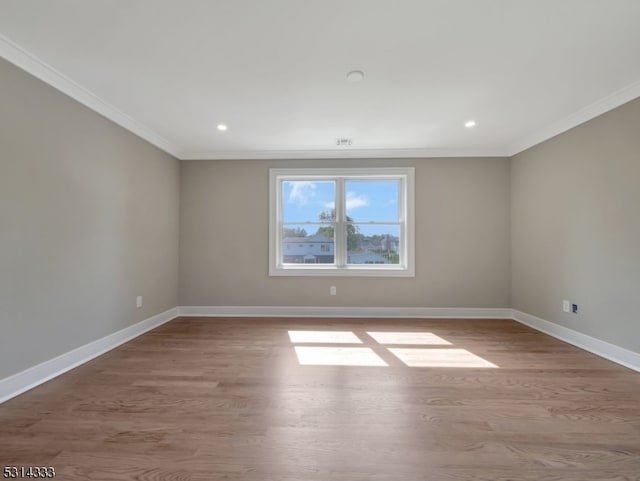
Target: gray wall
(91, 216)
(462, 238)
(88, 220)
(575, 216)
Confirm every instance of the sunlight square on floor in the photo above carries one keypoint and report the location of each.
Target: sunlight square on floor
(338, 356)
(440, 358)
(324, 337)
(415, 338)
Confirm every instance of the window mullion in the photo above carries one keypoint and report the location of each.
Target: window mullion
(339, 232)
(279, 224)
(403, 220)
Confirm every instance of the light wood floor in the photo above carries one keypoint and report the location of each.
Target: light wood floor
(209, 399)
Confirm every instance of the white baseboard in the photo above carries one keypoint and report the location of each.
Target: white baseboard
(337, 312)
(604, 349)
(23, 381)
(36, 375)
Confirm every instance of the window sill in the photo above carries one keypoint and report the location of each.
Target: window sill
(332, 271)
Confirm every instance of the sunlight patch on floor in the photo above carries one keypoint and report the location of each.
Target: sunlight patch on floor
(338, 356)
(439, 358)
(325, 337)
(415, 338)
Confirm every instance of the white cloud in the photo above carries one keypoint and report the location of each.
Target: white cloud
(301, 192)
(354, 201)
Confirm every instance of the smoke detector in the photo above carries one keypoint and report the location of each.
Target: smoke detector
(344, 142)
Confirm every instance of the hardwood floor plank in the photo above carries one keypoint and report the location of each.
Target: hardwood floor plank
(202, 399)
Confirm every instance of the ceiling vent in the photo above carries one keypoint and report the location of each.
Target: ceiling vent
(344, 142)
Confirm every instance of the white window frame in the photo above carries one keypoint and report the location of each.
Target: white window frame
(406, 266)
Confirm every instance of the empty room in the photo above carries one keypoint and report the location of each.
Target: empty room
(338, 240)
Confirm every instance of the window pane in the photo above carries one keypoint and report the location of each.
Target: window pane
(341, 221)
(308, 201)
(373, 244)
(307, 244)
(372, 200)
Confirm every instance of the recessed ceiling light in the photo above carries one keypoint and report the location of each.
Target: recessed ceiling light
(355, 76)
(470, 124)
(222, 127)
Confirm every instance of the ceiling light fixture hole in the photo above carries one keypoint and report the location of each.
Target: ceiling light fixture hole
(355, 76)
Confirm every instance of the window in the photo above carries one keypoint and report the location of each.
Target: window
(341, 222)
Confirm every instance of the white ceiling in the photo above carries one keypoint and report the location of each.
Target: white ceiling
(275, 71)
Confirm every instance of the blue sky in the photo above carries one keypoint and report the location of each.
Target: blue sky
(366, 201)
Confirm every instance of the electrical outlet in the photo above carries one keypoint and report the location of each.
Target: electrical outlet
(332, 291)
(566, 306)
(574, 308)
(139, 301)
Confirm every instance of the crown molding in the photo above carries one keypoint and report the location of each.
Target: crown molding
(45, 72)
(599, 107)
(345, 153)
(48, 74)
